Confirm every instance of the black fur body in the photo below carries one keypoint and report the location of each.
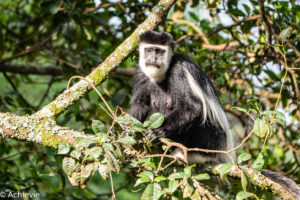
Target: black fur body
(183, 111)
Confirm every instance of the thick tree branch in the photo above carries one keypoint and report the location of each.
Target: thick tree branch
(258, 179)
(41, 131)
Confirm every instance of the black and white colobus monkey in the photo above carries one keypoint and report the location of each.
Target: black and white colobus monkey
(172, 84)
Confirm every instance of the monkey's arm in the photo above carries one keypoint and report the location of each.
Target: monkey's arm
(140, 102)
(139, 109)
(175, 121)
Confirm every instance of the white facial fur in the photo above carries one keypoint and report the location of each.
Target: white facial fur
(154, 73)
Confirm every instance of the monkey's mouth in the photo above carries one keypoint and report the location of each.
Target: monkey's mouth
(153, 66)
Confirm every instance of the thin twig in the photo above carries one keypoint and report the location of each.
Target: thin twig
(170, 163)
(27, 50)
(92, 85)
(254, 17)
(112, 187)
(46, 93)
(16, 90)
(161, 160)
(61, 60)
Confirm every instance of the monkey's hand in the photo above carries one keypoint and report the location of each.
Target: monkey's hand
(152, 135)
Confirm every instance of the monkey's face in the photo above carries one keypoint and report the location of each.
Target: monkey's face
(154, 60)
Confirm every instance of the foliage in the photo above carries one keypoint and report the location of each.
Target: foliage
(249, 49)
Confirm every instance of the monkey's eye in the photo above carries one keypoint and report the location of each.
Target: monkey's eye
(160, 51)
(148, 50)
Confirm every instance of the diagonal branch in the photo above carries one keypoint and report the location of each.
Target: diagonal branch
(251, 18)
(27, 51)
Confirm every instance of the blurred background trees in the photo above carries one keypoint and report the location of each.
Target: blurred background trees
(249, 49)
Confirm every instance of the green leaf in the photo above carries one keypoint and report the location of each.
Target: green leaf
(196, 196)
(240, 109)
(146, 123)
(128, 120)
(259, 162)
(68, 165)
(112, 161)
(254, 104)
(244, 179)
(103, 171)
(175, 175)
(252, 110)
(103, 137)
(94, 152)
(224, 169)
(194, 16)
(108, 146)
(52, 6)
(76, 153)
(281, 121)
(187, 189)
(236, 12)
(156, 120)
(141, 161)
(127, 140)
(148, 193)
(263, 38)
(272, 75)
(157, 191)
(74, 178)
(138, 128)
(63, 148)
(188, 172)
(260, 127)
(142, 180)
(85, 172)
(160, 178)
(244, 157)
(69, 28)
(271, 131)
(275, 112)
(243, 195)
(50, 151)
(202, 176)
(173, 185)
(285, 33)
(152, 192)
(98, 126)
(247, 8)
(148, 174)
(83, 141)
